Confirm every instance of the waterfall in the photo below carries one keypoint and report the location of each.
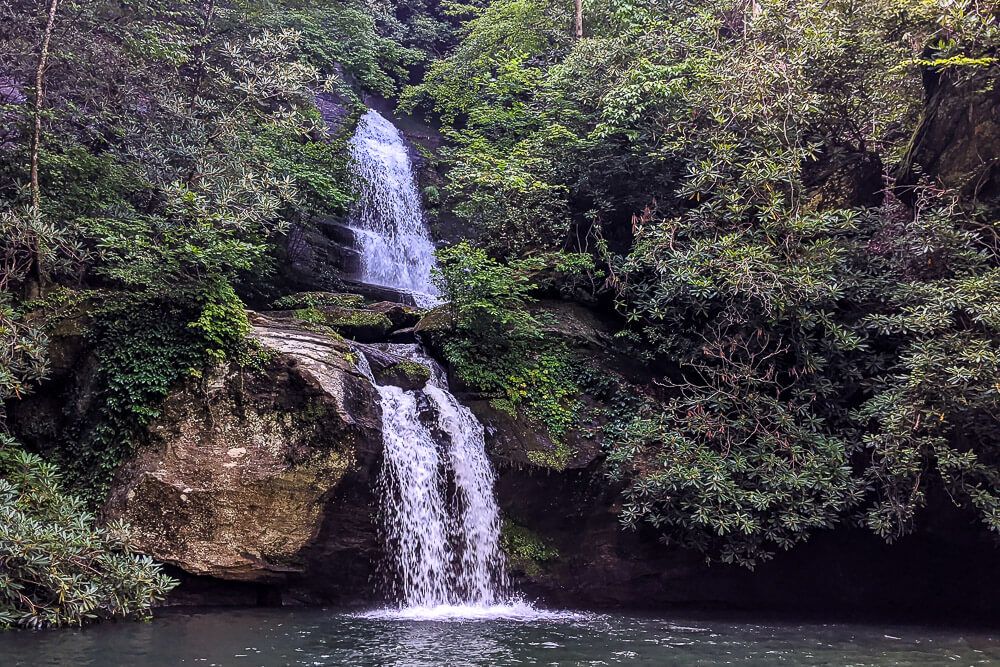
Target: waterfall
(439, 516)
(388, 220)
(440, 519)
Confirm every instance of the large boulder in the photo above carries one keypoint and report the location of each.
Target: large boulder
(240, 475)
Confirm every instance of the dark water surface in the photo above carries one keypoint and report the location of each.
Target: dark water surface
(272, 638)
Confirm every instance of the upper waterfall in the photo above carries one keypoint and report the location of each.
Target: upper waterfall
(388, 218)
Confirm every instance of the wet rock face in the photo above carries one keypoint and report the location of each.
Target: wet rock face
(318, 254)
(957, 140)
(335, 111)
(237, 482)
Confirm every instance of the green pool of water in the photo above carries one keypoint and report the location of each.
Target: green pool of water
(278, 637)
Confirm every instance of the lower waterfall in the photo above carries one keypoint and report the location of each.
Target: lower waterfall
(440, 519)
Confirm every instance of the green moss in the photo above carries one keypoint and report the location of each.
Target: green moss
(414, 372)
(311, 315)
(305, 300)
(530, 379)
(525, 550)
(357, 318)
(314, 412)
(435, 321)
(556, 458)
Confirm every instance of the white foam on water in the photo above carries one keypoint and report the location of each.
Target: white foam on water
(517, 611)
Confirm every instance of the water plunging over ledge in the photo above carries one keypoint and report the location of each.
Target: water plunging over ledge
(440, 519)
(387, 220)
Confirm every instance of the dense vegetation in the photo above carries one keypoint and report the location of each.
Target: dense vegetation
(735, 181)
(820, 322)
(57, 566)
(153, 155)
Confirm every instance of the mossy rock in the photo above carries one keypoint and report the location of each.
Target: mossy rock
(405, 374)
(361, 325)
(364, 325)
(392, 369)
(306, 300)
(516, 441)
(401, 315)
(435, 321)
(573, 323)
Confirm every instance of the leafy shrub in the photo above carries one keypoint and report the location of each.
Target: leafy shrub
(815, 358)
(525, 550)
(498, 345)
(56, 566)
(23, 352)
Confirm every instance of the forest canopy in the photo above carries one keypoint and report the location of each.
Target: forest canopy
(819, 309)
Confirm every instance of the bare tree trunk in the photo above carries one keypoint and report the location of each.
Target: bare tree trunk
(579, 19)
(35, 277)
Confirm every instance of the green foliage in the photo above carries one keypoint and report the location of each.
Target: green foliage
(813, 359)
(345, 36)
(934, 408)
(318, 168)
(318, 299)
(23, 353)
(488, 299)
(508, 187)
(147, 346)
(525, 550)
(498, 345)
(56, 566)
(178, 141)
(736, 504)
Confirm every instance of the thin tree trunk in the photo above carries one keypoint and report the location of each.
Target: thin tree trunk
(579, 19)
(36, 143)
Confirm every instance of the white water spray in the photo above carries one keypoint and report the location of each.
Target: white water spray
(388, 220)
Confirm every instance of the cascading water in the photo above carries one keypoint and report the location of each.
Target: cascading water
(388, 220)
(440, 518)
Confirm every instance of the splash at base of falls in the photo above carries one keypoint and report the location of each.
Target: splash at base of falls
(518, 611)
